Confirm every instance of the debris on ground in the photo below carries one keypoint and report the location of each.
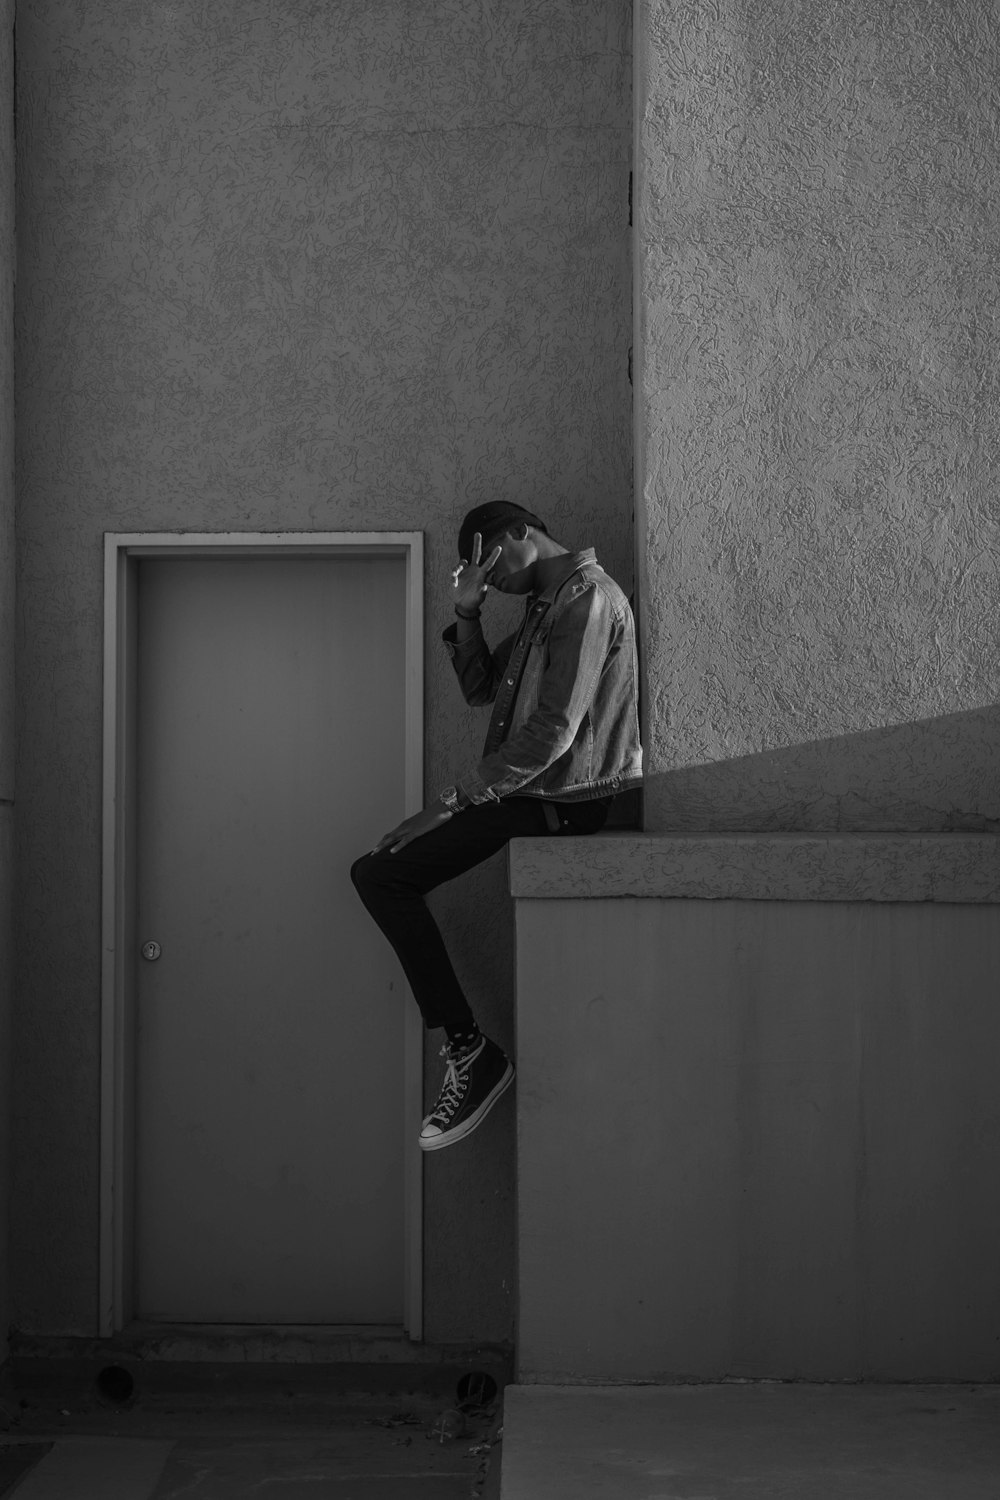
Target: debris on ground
(487, 1454)
(450, 1424)
(397, 1419)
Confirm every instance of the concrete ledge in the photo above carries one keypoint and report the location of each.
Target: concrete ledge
(961, 868)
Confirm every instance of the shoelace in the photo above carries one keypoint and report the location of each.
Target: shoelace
(451, 1090)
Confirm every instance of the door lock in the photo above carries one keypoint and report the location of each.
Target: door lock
(151, 951)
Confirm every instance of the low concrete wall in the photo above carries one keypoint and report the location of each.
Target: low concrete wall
(757, 1138)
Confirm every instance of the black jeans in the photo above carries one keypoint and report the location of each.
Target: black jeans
(393, 886)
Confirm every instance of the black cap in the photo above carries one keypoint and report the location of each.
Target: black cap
(490, 519)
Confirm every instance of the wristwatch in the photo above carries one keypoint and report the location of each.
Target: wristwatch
(450, 799)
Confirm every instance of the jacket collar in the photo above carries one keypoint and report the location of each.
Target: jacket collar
(572, 563)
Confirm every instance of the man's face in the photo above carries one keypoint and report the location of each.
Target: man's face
(513, 571)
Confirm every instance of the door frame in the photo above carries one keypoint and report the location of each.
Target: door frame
(122, 551)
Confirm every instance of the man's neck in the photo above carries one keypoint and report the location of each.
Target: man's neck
(550, 567)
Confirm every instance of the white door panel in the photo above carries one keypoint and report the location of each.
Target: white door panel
(269, 1048)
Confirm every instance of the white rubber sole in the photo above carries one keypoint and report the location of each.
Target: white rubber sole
(449, 1137)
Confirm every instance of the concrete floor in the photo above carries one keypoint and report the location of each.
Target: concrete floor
(767, 1441)
(230, 1447)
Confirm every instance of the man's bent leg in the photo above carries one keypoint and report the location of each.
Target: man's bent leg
(393, 887)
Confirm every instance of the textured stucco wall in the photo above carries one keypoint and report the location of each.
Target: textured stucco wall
(7, 268)
(324, 263)
(818, 411)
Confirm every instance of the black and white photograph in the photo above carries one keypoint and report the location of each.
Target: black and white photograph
(499, 750)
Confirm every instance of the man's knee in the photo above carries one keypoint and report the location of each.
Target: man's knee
(372, 873)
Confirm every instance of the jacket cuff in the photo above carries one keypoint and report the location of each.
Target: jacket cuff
(473, 790)
(453, 646)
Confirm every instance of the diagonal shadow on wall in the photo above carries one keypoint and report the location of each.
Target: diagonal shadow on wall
(932, 775)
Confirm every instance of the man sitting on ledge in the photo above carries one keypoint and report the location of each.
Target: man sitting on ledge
(563, 740)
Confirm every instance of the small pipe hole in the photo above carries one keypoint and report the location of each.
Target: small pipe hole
(476, 1390)
(115, 1385)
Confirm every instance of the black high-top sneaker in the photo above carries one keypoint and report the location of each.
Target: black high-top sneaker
(474, 1079)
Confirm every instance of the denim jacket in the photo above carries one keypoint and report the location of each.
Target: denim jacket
(565, 721)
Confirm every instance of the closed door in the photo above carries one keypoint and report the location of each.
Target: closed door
(269, 1021)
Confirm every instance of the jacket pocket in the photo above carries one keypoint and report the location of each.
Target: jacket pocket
(541, 635)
